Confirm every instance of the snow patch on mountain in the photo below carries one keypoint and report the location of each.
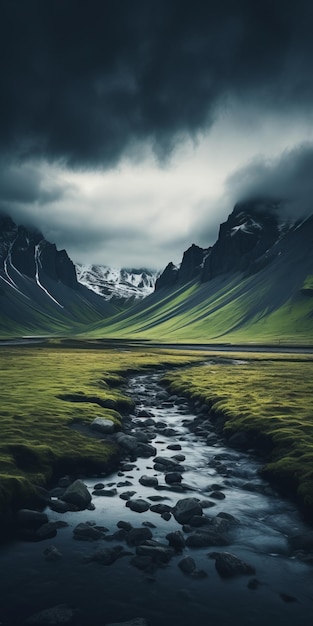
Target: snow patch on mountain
(110, 282)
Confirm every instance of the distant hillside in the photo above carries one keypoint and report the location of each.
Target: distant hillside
(253, 284)
(39, 291)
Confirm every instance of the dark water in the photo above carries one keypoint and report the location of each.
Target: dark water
(120, 592)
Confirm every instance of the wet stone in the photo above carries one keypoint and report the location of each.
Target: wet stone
(108, 493)
(166, 516)
(139, 506)
(124, 483)
(85, 532)
(229, 565)
(59, 506)
(31, 519)
(173, 477)
(178, 457)
(206, 504)
(46, 531)
(126, 495)
(217, 495)
(124, 525)
(176, 540)
(160, 508)
(185, 509)
(136, 536)
(77, 494)
(187, 565)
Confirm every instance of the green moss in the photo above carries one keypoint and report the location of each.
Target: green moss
(268, 397)
(49, 394)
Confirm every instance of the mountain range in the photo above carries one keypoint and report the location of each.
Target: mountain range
(117, 283)
(254, 284)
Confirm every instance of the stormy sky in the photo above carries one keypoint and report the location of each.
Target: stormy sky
(129, 128)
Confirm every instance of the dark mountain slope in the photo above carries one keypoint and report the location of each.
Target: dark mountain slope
(39, 291)
(258, 290)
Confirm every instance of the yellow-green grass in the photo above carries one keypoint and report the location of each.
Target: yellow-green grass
(48, 389)
(268, 397)
(237, 311)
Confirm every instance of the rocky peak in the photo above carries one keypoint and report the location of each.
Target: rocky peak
(26, 251)
(168, 278)
(249, 232)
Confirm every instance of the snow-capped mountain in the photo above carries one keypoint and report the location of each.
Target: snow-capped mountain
(111, 282)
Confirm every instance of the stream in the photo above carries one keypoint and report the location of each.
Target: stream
(225, 481)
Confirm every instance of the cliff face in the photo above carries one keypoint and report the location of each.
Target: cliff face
(245, 242)
(30, 254)
(38, 284)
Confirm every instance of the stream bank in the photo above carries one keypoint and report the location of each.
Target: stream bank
(110, 570)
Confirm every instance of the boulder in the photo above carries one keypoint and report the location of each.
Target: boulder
(46, 531)
(187, 565)
(185, 509)
(127, 441)
(136, 536)
(140, 506)
(77, 494)
(108, 493)
(176, 540)
(229, 565)
(160, 553)
(173, 477)
(145, 450)
(160, 508)
(59, 506)
(27, 518)
(149, 481)
(105, 426)
(85, 532)
(126, 495)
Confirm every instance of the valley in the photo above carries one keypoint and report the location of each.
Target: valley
(175, 417)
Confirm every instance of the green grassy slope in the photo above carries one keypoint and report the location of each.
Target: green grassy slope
(268, 398)
(230, 310)
(49, 395)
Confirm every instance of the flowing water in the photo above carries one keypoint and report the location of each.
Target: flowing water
(107, 594)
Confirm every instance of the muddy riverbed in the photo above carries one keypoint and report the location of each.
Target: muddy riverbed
(253, 522)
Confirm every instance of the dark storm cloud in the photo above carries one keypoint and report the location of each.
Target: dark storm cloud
(27, 184)
(87, 81)
(288, 181)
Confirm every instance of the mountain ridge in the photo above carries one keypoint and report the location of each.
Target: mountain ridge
(117, 283)
(254, 283)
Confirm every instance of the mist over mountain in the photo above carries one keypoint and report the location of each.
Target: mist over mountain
(259, 269)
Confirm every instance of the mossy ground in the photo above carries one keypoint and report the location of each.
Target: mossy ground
(270, 398)
(45, 389)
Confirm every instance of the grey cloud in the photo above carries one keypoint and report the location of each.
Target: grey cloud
(287, 180)
(87, 82)
(26, 184)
